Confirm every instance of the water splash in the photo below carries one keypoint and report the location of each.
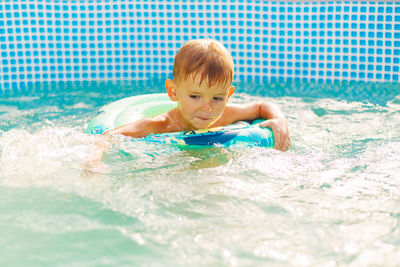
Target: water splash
(331, 200)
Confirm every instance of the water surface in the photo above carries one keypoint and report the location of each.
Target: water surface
(332, 199)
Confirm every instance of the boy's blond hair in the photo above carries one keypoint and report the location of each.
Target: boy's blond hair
(206, 57)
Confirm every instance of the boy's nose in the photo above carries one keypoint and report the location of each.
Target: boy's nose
(206, 105)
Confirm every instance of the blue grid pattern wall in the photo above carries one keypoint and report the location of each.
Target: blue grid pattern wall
(47, 41)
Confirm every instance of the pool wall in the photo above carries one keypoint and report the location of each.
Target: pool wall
(61, 41)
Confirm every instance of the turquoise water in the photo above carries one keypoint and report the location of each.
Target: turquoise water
(332, 199)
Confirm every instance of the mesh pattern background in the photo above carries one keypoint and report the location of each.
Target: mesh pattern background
(127, 40)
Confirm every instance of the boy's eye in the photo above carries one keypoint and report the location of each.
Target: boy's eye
(218, 98)
(194, 96)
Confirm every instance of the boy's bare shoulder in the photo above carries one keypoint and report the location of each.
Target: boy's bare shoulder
(162, 123)
(158, 121)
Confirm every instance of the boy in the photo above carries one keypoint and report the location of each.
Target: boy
(202, 77)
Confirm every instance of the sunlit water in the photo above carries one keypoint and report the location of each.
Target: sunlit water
(333, 199)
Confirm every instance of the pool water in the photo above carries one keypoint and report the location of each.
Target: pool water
(332, 199)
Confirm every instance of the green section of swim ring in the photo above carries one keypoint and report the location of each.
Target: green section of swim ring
(129, 110)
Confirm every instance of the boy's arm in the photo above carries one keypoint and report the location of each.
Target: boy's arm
(262, 110)
(136, 129)
(93, 164)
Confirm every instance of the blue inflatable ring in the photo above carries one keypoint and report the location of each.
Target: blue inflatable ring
(134, 108)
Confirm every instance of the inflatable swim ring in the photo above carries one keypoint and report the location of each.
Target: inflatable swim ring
(134, 108)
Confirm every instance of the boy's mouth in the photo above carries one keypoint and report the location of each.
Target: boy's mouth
(203, 118)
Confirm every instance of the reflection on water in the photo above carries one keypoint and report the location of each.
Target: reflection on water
(331, 200)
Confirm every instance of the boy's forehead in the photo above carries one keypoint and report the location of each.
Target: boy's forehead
(196, 87)
(196, 81)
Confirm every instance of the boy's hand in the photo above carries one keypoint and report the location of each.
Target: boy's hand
(281, 132)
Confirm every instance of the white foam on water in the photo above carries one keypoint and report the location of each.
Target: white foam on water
(332, 199)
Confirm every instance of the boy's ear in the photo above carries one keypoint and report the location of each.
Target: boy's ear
(171, 89)
(231, 90)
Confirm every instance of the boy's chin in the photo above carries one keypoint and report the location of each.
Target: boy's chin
(200, 126)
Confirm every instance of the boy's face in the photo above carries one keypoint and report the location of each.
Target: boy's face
(199, 105)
